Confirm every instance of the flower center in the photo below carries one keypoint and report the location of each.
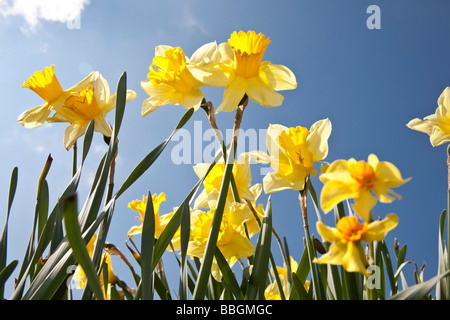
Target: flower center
(45, 84)
(172, 70)
(248, 51)
(84, 104)
(293, 142)
(350, 229)
(363, 173)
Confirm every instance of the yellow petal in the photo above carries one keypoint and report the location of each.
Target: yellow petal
(364, 203)
(134, 231)
(317, 140)
(334, 192)
(354, 259)
(279, 76)
(71, 134)
(233, 94)
(274, 182)
(263, 93)
(328, 234)
(35, 117)
(377, 230)
(421, 125)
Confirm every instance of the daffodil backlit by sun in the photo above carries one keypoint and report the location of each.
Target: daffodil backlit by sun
(140, 207)
(232, 240)
(436, 125)
(292, 154)
(346, 248)
(170, 81)
(358, 179)
(242, 71)
(88, 100)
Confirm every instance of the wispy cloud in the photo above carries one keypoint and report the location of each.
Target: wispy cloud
(33, 11)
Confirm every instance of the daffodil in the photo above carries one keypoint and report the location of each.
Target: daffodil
(346, 248)
(358, 179)
(90, 102)
(436, 125)
(213, 181)
(170, 80)
(242, 71)
(232, 241)
(140, 206)
(292, 154)
(272, 292)
(81, 278)
(45, 84)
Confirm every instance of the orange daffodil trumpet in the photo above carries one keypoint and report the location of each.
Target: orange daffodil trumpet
(436, 125)
(88, 100)
(358, 179)
(242, 71)
(292, 154)
(346, 248)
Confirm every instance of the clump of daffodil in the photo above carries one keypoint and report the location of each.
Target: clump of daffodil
(346, 248)
(358, 179)
(436, 125)
(242, 71)
(292, 154)
(272, 292)
(81, 278)
(170, 80)
(232, 240)
(213, 181)
(91, 102)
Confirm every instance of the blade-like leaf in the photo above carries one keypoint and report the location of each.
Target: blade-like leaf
(420, 291)
(78, 245)
(147, 241)
(257, 282)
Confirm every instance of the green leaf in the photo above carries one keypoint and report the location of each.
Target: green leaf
(147, 241)
(6, 272)
(257, 282)
(76, 242)
(420, 291)
(184, 242)
(228, 275)
(145, 163)
(4, 237)
(441, 288)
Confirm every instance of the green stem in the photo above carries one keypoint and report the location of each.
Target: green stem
(448, 219)
(74, 161)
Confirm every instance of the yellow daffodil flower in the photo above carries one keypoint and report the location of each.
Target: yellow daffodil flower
(437, 125)
(140, 206)
(346, 248)
(272, 292)
(170, 80)
(242, 71)
(90, 102)
(81, 278)
(232, 241)
(292, 154)
(241, 174)
(357, 179)
(45, 84)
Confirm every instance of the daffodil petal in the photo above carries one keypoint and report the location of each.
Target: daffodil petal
(317, 140)
(328, 234)
(354, 259)
(263, 93)
(71, 134)
(233, 94)
(377, 230)
(274, 182)
(334, 192)
(34, 117)
(279, 76)
(364, 203)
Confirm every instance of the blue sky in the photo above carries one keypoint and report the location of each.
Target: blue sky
(369, 83)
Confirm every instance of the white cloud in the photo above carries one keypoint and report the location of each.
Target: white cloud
(49, 10)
